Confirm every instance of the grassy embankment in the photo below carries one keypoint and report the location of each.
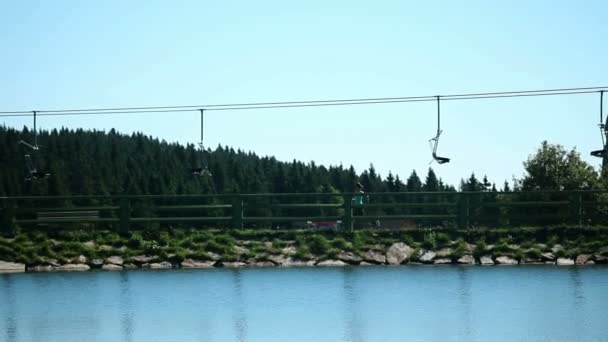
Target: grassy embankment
(39, 247)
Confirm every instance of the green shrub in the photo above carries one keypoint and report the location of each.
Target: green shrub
(151, 247)
(560, 253)
(213, 246)
(553, 240)
(164, 239)
(430, 240)
(225, 240)
(442, 239)
(7, 253)
(332, 253)
(72, 249)
(230, 256)
(111, 239)
(502, 248)
(318, 245)
(276, 243)
(519, 254)
(303, 253)
(481, 249)
(527, 244)
(45, 249)
(533, 254)
(135, 241)
(38, 237)
(340, 243)
(459, 251)
(198, 255)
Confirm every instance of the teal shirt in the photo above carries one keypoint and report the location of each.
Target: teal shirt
(358, 199)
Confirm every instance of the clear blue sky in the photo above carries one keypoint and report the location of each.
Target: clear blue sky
(83, 54)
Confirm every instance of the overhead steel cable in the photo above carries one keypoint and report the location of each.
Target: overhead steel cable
(299, 104)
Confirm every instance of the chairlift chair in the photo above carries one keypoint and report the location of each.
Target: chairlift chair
(201, 170)
(604, 133)
(434, 142)
(32, 171)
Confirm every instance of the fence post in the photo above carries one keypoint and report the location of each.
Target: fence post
(348, 212)
(463, 210)
(578, 208)
(237, 212)
(125, 214)
(7, 218)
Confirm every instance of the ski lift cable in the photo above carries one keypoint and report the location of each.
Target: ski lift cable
(313, 103)
(602, 125)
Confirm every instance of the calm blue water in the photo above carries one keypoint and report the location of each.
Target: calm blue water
(352, 304)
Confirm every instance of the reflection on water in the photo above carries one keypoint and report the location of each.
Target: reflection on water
(348, 304)
(464, 304)
(354, 325)
(578, 302)
(240, 319)
(125, 301)
(9, 305)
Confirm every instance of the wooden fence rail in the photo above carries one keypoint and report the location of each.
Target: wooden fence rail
(392, 210)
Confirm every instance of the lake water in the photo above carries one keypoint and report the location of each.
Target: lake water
(524, 303)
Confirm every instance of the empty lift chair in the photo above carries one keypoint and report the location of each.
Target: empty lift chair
(32, 172)
(201, 169)
(604, 133)
(434, 142)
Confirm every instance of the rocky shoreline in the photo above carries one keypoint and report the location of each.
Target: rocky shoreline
(398, 253)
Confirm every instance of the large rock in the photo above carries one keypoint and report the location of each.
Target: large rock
(160, 265)
(11, 267)
(590, 262)
(582, 259)
(130, 266)
(73, 267)
(374, 257)
(505, 260)
(396, 254)
(289, 262)
(214, 256)
(81, 259)
(233, 264)
(117, 260)
(466, 260)
(142, 259)
(426, 257)
(442, 261)
(190, 263)
(565, 262)
(444, 252)
(486, 260)
(469, 247)
(111, 267)
(548, 256)
(289, 250)
(349, 257)
(332, 263)
(41, 268)
(241, 250)
(278, 259)
(90, 244)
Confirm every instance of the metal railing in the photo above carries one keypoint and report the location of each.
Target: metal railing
(388, 210)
